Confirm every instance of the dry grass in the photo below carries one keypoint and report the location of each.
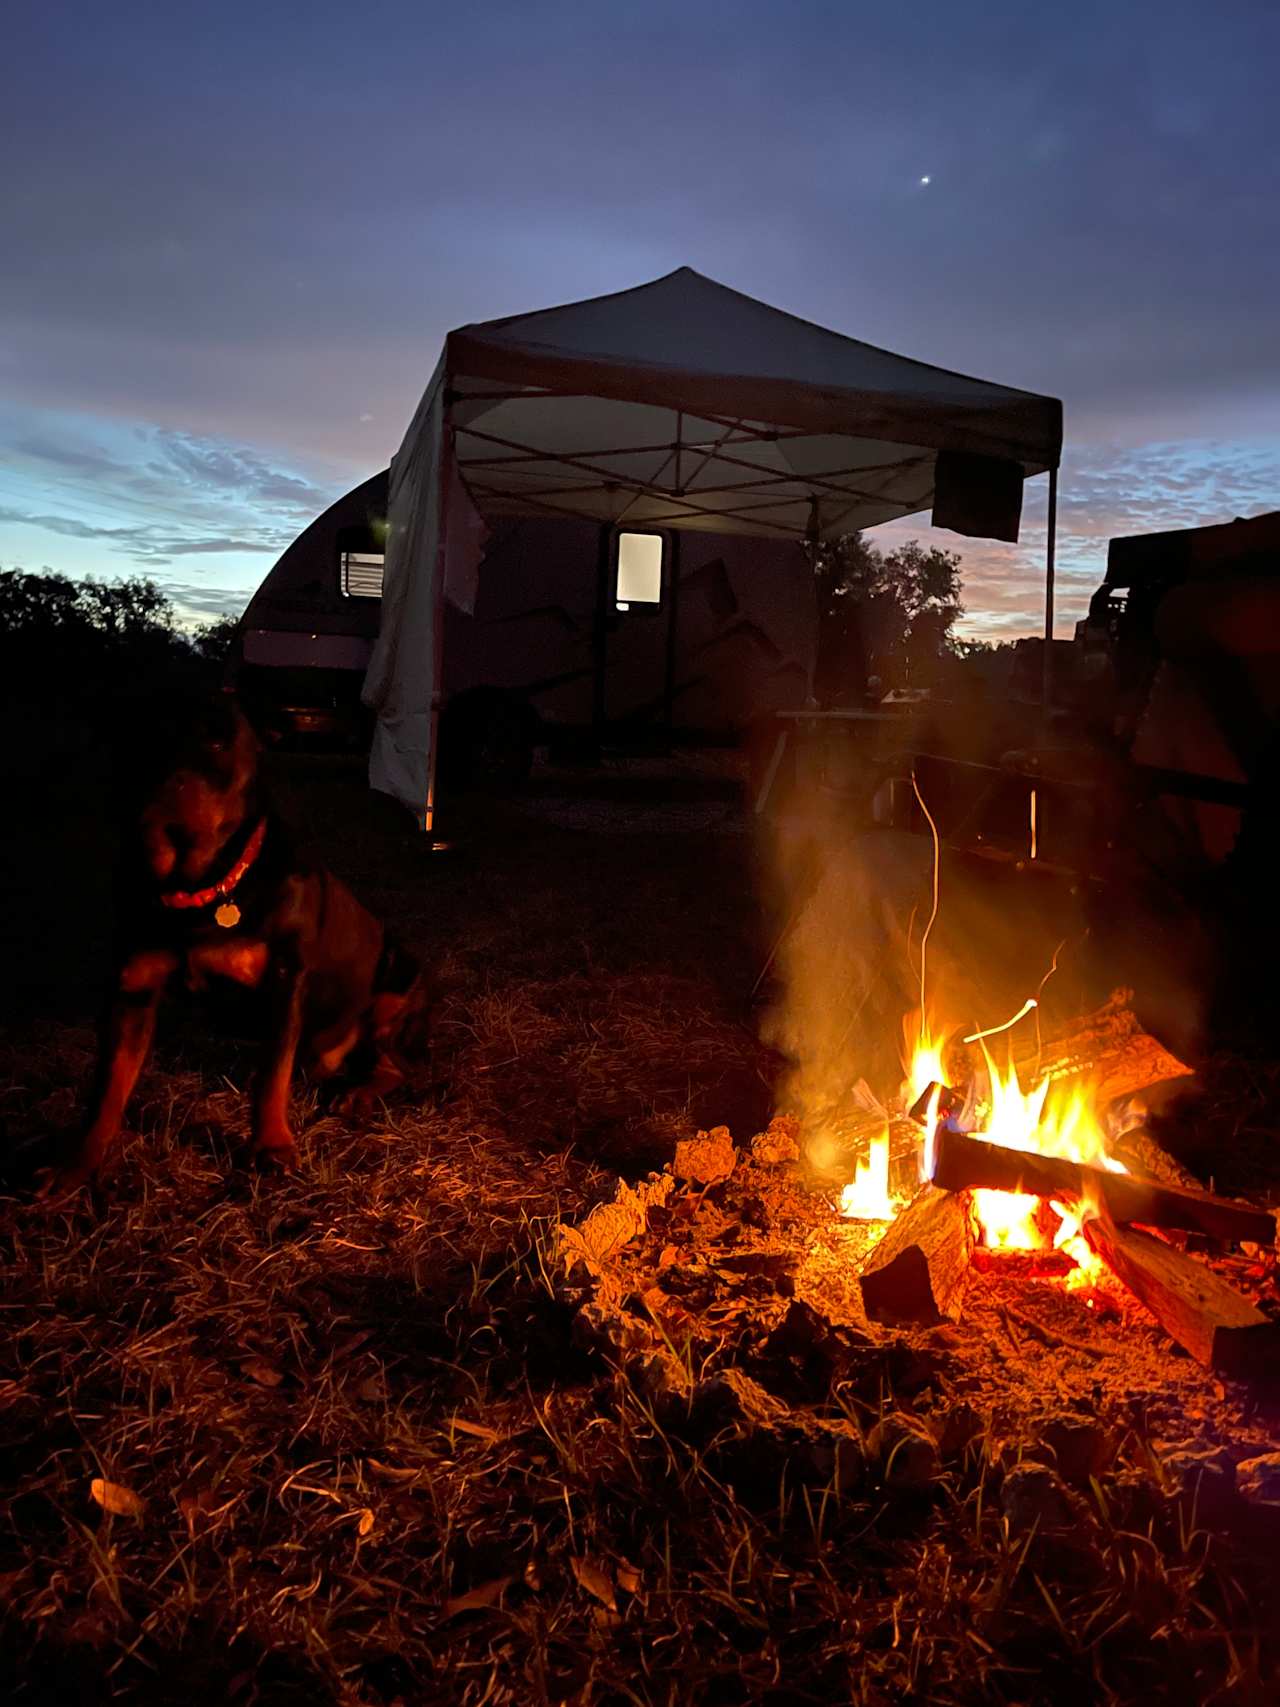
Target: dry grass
(367, 1464)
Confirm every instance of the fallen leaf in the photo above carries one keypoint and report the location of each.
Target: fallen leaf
(628, 1577)
(478, 1430)
(596, 1582)
(372, 1390)
(392, 1472)
(476, 1599)
(265, 1374)
(365, 1524)
(350, 1346)
(119, 1501)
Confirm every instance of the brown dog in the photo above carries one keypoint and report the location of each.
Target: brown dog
(211, 887)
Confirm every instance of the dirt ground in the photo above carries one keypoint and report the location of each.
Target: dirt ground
(334, 1438)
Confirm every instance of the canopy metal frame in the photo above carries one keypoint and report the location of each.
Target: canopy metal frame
(780, 428)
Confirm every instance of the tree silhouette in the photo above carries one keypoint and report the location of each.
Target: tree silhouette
(888, 615)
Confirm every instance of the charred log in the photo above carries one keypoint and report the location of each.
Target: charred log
(1208, 1318)
(1108, 1047)
(917, 1271)
(962, 1162)
(1143, 1156)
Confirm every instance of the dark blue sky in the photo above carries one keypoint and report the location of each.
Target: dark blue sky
(235, 236)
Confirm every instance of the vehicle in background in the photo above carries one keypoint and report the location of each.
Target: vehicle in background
(579, 635)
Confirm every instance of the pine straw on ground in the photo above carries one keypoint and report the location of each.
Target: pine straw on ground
(352, 1452)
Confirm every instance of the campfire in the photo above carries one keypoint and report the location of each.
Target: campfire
(1030, 1175)
(1027, 1172)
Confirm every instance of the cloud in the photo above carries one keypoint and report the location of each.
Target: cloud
(210, 467)
(150, 496)
(1104, 491)
(144, 543)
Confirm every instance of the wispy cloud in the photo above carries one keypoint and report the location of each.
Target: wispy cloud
(1104, 491)
(142, 497)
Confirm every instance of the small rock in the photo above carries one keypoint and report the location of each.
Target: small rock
(1204, 1476)
(1258, 1479)
(1131, 1499)
(607, 1331)
(706, 1159)
(732, 1397)
(907, 1457)
(658, 1375)
(830, 1454)
(822, 1350)
(956, 1427)
(778, 1144)
(1034, 1496)
(1080, 1447)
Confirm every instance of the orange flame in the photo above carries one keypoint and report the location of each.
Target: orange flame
(1033, 1120)
(867, 1197)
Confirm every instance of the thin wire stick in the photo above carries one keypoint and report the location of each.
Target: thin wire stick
(937, 861)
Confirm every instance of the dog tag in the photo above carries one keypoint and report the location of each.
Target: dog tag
(227, 915)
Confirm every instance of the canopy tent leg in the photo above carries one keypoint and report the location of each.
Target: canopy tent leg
(1050, 549)
(673, 626)
(437, 635)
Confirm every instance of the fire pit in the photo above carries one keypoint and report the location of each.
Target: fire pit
(1025, 1279)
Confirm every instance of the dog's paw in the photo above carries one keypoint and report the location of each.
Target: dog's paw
(277, 1158)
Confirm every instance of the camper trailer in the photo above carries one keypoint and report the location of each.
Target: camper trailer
(576, 631)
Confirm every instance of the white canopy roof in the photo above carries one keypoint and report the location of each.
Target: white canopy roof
(683, 403)
(678, 404)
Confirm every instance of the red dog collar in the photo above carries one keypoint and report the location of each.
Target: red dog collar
(219, 891)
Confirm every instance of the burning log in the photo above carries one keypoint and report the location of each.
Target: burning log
(917, 1271)
(1208, 1318)
(1142, 1155)
(1022, 1265)
(962, 1162)
(1108, 1045)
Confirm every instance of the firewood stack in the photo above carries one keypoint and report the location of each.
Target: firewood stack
(1130, 1220)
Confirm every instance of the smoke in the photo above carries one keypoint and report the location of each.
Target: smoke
(850, 900)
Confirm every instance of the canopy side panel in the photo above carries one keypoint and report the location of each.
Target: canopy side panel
(401, 679)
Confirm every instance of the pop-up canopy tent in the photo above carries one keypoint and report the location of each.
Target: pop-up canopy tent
(679, 405)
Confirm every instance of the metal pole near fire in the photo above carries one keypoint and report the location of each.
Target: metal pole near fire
(1050, 547)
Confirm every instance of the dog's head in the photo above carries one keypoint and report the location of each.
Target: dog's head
(195, 773)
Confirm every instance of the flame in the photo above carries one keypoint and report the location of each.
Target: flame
(1034, 1119)
(867, 1197)
(1052, 1126)
(924, 1068)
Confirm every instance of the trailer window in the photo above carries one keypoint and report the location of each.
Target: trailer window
(361, 576)
(639, 578)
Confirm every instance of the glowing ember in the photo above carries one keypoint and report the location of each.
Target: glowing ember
(1007, 1220)
(867, 1197)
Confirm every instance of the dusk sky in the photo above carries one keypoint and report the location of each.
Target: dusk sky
(236, 235)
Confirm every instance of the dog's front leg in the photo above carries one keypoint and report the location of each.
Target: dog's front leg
(272, 1135)
(125, 1042)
